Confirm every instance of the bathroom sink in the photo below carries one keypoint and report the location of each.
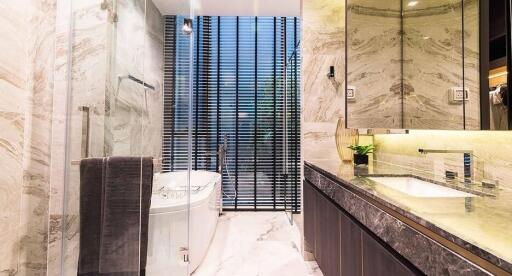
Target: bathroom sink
(418, 188)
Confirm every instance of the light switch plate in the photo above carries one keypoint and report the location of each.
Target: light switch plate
(351, 93)
(458, 94)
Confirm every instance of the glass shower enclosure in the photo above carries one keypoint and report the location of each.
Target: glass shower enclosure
(291, 137)
(122, 210)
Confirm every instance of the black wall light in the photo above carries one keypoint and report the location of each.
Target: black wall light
(331, 72)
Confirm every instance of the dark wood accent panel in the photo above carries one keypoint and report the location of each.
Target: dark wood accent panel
(319, 221)
(379, 261)
(309, 194)
(341, 245)
(330, 239)
(351, 247)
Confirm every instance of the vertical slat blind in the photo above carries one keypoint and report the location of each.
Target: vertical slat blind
(239, 82)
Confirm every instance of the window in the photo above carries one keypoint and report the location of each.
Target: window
(239, 94)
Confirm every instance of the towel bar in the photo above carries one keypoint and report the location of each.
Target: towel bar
(156, 161)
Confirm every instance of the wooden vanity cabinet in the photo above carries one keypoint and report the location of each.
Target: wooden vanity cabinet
(342, 246)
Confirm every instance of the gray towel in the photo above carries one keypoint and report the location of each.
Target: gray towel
(91, 190)
(126, 202)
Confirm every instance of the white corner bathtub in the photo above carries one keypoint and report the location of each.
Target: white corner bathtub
(168, 223)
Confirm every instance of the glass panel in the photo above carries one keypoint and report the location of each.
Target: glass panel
(170, 217)
(122, 211)
(89, 78)
(292, 143)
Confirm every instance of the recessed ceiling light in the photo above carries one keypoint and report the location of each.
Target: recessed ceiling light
(412, 3)
(426, 37)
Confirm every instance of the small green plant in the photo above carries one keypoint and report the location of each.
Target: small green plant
(362, 150)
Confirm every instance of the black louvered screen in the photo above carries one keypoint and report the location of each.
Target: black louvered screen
(239, 81)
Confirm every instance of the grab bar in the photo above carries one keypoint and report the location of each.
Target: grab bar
(86, 129)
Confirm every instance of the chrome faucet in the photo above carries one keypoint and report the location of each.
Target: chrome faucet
(468, 161)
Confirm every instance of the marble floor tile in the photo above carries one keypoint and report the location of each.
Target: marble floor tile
(256, 243)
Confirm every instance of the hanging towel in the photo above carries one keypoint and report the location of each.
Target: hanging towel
(91, 193)
(124, 227)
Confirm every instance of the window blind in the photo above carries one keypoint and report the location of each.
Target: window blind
(240, 64)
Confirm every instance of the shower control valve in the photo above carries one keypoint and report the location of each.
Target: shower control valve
(184, 252)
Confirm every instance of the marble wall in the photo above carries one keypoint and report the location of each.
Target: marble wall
(432, 64)
(135, 114)
(14, 95)
(38, 78)
(59, 136)
(472, 63)
(374, 63)
(323, 35)
(26, 91)
(492, 152)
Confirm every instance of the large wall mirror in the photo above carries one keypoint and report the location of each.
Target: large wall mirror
(428, 64)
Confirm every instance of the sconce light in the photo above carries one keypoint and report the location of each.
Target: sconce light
(187, 26)
(331, 72)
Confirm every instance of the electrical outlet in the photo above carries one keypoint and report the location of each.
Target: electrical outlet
(351, 93)
(458, 94)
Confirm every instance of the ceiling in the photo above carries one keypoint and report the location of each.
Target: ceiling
(230, 7)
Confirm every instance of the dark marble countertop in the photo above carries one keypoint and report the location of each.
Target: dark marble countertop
(481, 224)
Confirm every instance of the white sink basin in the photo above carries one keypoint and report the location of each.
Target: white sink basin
(418, 188)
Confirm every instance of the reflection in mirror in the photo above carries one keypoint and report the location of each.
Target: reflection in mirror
(436, 64)
(432, 64)
(495, 59)
(373, 64)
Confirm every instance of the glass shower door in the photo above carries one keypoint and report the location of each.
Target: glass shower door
(122, 210)
(169, 225)
(291, 143)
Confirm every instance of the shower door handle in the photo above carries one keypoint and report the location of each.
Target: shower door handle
(86, 130)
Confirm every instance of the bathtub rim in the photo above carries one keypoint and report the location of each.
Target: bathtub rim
(195, 199)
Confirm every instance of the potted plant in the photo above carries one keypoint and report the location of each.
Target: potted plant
(361, 153)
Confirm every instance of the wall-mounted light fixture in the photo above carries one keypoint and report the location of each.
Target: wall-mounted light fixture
(187, 26)
(331, 72)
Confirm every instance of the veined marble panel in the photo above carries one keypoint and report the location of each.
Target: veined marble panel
(320, 141)
(135, 113)
(58, 146)
(13, 97)
(374, 63)
(153, 74)
(26, 89)
(472, 63)
(323, 46)
(37, 150)
(323, 38)
(432, 65)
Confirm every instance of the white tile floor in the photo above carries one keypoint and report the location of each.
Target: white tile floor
(256, 244)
